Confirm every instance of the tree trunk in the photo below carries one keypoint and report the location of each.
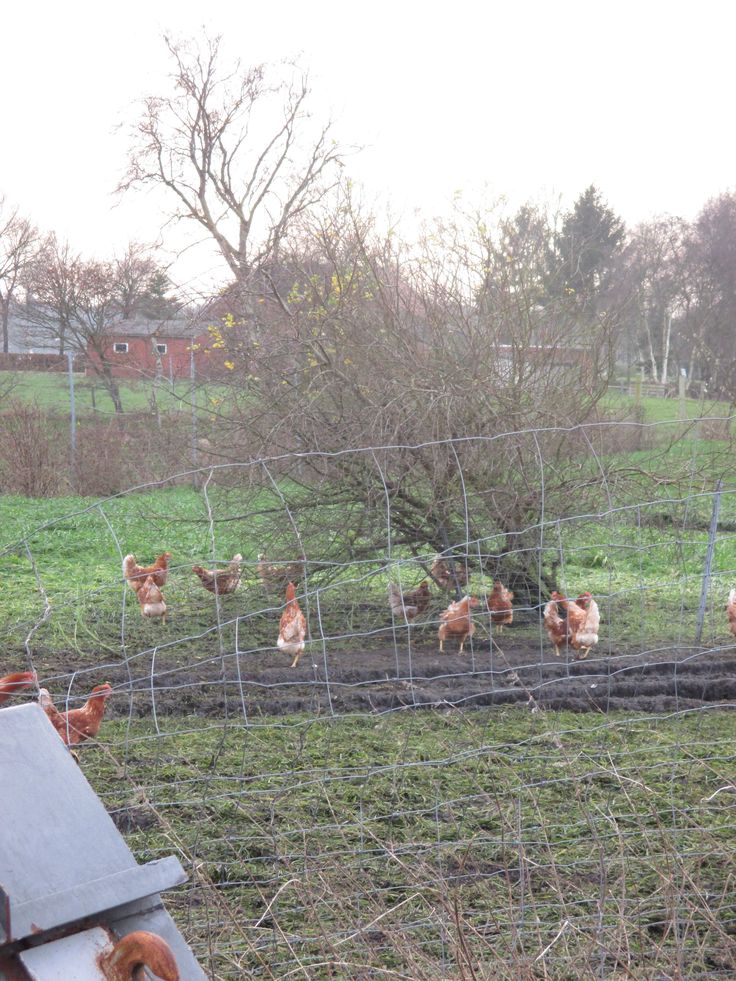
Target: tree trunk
(6, 322)
(691, 367)
(666, 335)
(652, 359)
(114, 391)
(104, 371)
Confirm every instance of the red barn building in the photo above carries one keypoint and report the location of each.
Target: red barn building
(145, 349)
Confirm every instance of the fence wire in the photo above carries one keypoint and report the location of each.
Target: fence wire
(383, 809)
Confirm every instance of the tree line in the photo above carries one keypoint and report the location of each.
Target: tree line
(240, 156)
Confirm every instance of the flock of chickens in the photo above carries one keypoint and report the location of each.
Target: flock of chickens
(147, 581)
(570, 624)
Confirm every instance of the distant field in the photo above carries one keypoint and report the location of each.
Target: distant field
(668, 410)
(50, 390)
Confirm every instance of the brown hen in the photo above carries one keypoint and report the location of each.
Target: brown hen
(292, 627)
(555, 621)
(221, 581)
(457, 621)
(411, 603)
(136, 574)
(151, 599)
(137, 951)
(500, 605)
(584, 632)
(277, 576)
(13, 683)
(77, 725)
(446, 572)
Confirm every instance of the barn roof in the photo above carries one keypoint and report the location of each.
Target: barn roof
(139, 327)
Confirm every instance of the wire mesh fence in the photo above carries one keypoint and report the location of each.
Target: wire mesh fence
(384, 809)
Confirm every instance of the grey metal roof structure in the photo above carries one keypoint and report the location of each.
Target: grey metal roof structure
(26, 336)
(69, 884)
(24, 339)
(138, 327)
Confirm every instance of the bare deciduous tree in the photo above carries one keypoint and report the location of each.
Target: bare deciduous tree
(655, 264)
(237, 151)
(708, 326)
(51, 283)
(80, 302)
(134, 272)
(19, 240)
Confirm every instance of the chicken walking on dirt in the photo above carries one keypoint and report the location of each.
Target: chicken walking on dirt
(151, 600)
(572, 622)
(77, 725)
(555, 621)
(221, 581)
(411, 603)
(16, 682)
(731, 611)
(274, 575)
(457, 621)
(585, 630)
(500, 605)
(292, 627)
(136, 574)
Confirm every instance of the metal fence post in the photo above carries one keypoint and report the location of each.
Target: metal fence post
(193, 396)
(708, 561)
(681, 396)
(73, 419)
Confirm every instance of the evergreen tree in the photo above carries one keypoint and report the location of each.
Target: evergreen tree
(589, 241)
(157, 301)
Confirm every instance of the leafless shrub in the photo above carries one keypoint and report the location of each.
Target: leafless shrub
(715, 429)
(32, 460)
(130, 450)
(463, 361)
(111, 456)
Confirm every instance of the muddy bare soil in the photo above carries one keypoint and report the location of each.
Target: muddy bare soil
(380, 677)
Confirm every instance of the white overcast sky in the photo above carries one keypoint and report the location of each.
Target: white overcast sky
(528, 99)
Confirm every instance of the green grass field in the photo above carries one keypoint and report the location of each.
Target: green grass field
(646, 574)
(438, 844)
(668, 410)
(644, 565)
(50, 390)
